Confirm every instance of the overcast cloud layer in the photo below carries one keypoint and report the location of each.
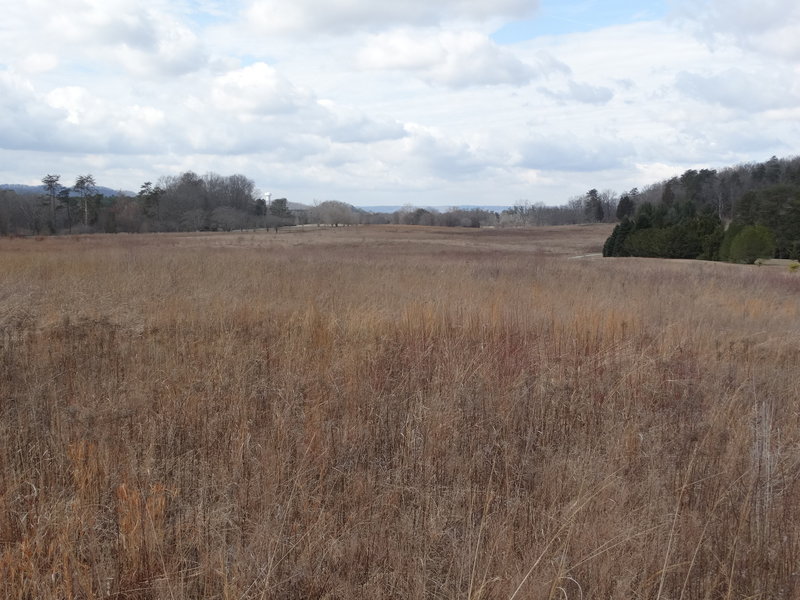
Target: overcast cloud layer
(396, 102)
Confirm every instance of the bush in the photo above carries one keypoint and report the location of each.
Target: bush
(649, 242)
(751, 243)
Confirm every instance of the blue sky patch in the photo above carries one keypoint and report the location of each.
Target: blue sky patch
(556, 17)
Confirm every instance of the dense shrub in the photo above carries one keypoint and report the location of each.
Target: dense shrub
(751, 243)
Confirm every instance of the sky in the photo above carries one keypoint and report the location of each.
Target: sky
(377, 102)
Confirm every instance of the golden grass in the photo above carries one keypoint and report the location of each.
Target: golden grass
(388, 412)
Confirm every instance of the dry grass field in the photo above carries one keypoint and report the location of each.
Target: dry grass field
(390, 412)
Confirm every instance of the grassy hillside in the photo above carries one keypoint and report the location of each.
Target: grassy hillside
(381, 412)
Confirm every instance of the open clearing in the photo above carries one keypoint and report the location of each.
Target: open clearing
(394, 412)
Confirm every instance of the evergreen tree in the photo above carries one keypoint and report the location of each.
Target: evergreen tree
(668, 195)
(67, 201)
(52, 187)
(611, 242)
(625, 207)
(85, 187)
(593, 206)
(751, 243)
(625, 229)
(150, 196)
(280, 208)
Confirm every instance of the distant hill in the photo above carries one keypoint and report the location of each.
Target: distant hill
(39, 189)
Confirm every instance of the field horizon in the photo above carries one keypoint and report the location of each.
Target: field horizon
(394, 412)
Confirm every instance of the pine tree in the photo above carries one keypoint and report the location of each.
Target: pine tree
(625, 207)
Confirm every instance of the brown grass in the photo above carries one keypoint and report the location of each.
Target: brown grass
(386, 412)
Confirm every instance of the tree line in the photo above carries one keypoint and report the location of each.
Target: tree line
(695, 215)
(185, 202)
(189, 202)
(740, 214)
(592, 207)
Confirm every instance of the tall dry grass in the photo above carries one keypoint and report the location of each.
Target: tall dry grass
(353, 415)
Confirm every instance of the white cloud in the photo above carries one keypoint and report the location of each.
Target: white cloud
(446, 58)
(348, 125)
(91, 123)
(738, 89)
(179, 52)
(148, 38)
(337, 17)
(571, 153)
(38, 62)
(72, 119)
(403, 50)
(25, 120)
(17, 91)
(439, 155)
(767, 26)
(170, 49)
(580, 92)
(257, 89)
(111, 21)
(80, 106)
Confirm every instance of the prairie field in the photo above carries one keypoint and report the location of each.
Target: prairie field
(394, 412)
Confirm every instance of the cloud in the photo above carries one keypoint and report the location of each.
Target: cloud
(739, 90)
(346, 125)
(17, 91)
(86, 21)
(337, 17)
(91, 123)
(570, 153)
(169, 49)
(710, 141)
(70, 119)
(26, 122)
(257, 89)
(446, 58)
(767, 26)
(148, 38)
(442, 156)
(580, 92)
(423, 157)
(550, 65)
(254, 109)
(81, 107)
(38, 62)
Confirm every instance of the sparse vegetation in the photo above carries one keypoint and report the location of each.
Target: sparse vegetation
(394, 412)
